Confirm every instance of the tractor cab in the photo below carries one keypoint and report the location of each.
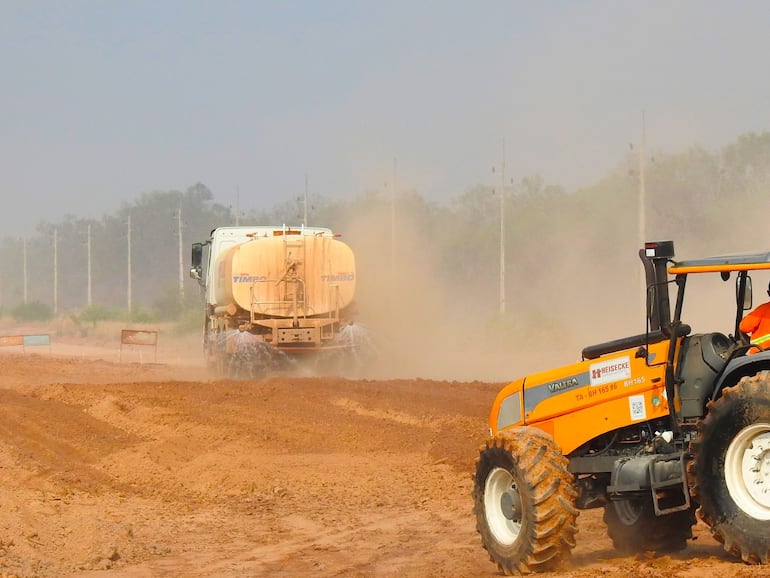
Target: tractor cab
(695, 361)
(699, 361)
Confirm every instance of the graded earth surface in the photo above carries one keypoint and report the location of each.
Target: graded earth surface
(126, 464)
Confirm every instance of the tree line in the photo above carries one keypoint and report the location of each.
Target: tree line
(556, 242)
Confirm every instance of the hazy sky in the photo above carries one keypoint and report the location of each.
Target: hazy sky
(104, 100)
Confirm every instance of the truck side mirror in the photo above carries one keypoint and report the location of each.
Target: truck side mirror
(195, 260)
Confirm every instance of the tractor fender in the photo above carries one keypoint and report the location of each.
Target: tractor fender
(740, 367)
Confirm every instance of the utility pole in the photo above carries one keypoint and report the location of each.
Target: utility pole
(502, 232)
(128, 286)
(55, 272)
(181, 258)
(24, 258)
(642, 225)
(304, 219)
(237, 205)
(393, 223)
(88, 251)
(642, 191)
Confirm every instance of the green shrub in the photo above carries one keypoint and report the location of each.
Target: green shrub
(191, 321)
(138, 315)
(32, 311)
(96, 313)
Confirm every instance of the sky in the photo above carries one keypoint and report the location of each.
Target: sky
(103, 101)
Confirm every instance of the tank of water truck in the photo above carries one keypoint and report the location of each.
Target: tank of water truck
(286, 275)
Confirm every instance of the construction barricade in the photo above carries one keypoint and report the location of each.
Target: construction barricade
(25, 341)
(139, 338)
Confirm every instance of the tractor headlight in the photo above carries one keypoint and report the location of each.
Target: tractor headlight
(510, 411)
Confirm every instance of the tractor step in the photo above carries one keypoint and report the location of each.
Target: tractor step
(670, 482)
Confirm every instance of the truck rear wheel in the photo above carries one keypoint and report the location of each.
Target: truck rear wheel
(524, 502)
(633, 527)
(731, 468)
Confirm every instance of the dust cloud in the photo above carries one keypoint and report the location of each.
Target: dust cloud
(427, 324)
(580, 288)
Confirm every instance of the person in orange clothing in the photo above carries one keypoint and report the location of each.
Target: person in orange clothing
(757, 325)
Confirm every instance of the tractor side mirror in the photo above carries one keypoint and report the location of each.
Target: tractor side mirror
(747, 297)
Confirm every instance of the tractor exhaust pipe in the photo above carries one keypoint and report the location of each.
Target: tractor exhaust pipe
(655, 257)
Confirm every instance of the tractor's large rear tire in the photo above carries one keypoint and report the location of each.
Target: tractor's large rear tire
(633, 527)
(731, 468)
(524, 502)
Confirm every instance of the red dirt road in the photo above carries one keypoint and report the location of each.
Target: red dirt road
(112, 468)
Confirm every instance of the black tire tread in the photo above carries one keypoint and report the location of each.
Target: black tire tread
(549, 527)
(747, 402)
(651, 533)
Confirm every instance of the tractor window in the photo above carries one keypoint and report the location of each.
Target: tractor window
(709, 304)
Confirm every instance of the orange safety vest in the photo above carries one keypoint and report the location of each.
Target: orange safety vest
(757, 324)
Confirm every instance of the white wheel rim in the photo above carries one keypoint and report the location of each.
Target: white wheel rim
(499, 490)
(747, 470)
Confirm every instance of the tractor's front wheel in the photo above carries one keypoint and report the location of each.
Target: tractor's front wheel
(731, 468)
(524, 502)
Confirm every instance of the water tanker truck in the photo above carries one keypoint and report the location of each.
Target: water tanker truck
(274, 297)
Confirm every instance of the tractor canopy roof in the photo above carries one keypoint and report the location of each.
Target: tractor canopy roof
(724, 263)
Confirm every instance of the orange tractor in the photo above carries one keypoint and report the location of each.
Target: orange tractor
(652, 428)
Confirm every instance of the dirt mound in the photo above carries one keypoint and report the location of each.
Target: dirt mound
(137, 470)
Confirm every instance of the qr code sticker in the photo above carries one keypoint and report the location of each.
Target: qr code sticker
(638, 410)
